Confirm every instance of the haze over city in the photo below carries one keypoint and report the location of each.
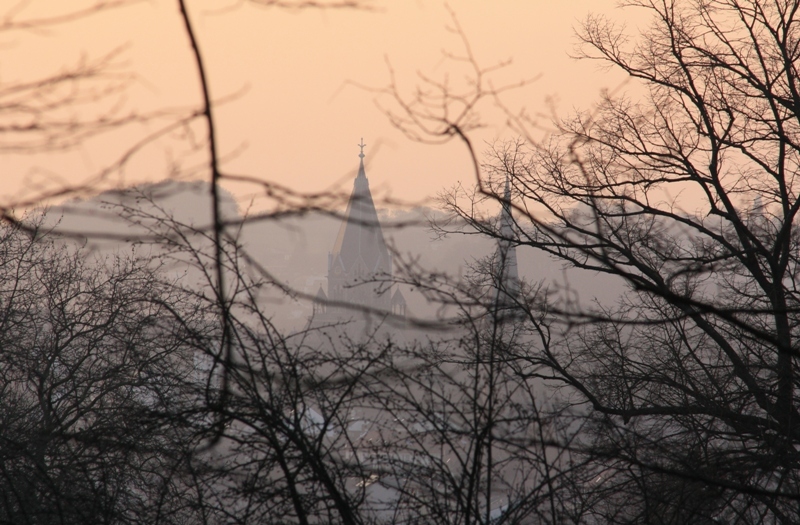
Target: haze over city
(364, 262)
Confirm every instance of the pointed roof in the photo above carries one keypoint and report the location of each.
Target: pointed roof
(360, 237)
(508, 280)
(398, 298)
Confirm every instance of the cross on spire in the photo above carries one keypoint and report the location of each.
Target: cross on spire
(361, 155)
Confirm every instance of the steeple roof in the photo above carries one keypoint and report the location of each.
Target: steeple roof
(398, 298)
(360, 240)
(508, 281)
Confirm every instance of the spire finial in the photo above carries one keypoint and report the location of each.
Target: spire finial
(361, 155)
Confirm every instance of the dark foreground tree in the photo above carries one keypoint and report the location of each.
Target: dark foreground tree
(97, 366)
(130, 399)
(272, 421)
(687, 385)
(472, 428)
(686, 190)
(348, 422)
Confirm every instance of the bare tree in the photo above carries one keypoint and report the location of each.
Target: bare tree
(470, 432)
(154, 401)
(232, 396)
(686, 193)
(97, 366)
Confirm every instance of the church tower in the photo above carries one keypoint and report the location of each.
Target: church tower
(360, 264)
(507, 280)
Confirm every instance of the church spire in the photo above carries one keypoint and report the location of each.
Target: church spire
(360, 259)
(508, 275)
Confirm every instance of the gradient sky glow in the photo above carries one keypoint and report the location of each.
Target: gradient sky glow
(295, 111)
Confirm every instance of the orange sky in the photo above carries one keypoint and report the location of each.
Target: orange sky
(298, 113)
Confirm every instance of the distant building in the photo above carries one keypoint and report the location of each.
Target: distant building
(396, 449)
(507, 273)
(360, 264)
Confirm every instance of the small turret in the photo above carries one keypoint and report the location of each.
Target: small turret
(320, 302)
(398, 303)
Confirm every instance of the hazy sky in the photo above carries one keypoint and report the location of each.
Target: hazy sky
(295, 111)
